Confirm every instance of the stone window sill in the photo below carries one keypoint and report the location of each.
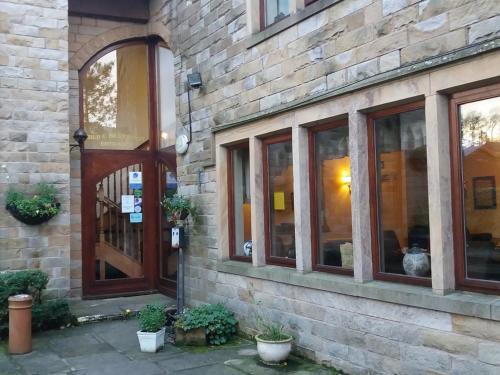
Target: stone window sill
(289, 21)
(462, 303)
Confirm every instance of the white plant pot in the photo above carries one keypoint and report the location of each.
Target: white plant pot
(273, 352)
(150, 342)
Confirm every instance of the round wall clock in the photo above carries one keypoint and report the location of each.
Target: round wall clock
(181, 144)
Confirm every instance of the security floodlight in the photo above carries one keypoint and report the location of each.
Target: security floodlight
(194, 80)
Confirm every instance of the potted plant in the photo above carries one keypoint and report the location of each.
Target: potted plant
(211, 323)
(34, 210)
(273, 344)
(152, 327)
(177, 209)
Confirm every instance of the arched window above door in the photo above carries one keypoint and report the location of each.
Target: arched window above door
(115, 99)
(116, 88)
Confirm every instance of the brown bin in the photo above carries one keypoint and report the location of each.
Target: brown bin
(20, 324)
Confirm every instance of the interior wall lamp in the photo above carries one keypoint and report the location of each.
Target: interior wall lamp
(80, 136)
(346, 180)
(194, 82)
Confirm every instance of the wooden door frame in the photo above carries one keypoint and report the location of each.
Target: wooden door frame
(150, 282)
(168, 157)
(91, 174)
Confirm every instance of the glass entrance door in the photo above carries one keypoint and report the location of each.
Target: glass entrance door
(119, 222)
(119, 246)
(127, 107)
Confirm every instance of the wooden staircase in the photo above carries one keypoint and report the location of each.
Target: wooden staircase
(119, 242)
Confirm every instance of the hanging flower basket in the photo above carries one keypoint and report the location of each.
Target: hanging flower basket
(177, 209)
(34, 210)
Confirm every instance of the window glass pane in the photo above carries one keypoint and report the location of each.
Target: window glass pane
(401, 160)
(241, 200)
(276, 10)
(166, 97)
(333, 194)
(480, 128)
(115, 100)
(281, 215)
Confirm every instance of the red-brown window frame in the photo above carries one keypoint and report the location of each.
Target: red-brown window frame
(230, 201)
(314, 199)
(279, 261)
(374, 209)
(457, 199)
(262, 15)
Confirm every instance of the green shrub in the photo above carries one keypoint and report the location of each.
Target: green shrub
(219, 323)
(46, 315)
(152, 317)
(52, 314)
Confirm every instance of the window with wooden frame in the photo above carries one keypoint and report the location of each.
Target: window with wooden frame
(279, 219)
(475, 167)
(272, 11)
(238, 178)
(330, 188)
(398, 194)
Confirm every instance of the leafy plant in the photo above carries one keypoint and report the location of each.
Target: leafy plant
(271, 331)
(42, 205)
(52, 314)
(152, 317)
(219, 323)
(46, 315)
(177, 208)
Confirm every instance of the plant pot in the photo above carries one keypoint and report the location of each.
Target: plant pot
(194, 337)
(273, 352)
(29, 220)
(150, 342)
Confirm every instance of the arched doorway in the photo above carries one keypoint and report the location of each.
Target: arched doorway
(127, 108)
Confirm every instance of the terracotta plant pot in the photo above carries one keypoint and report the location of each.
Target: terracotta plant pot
(194, 337)
(274, 352)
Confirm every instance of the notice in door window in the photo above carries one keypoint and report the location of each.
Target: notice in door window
(127, 204)
(136, 218)
(135, 180)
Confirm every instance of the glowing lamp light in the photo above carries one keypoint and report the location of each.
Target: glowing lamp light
(345, 179)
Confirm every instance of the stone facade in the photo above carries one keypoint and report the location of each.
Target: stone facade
(256, 81)
(34, 144)
(363, 336)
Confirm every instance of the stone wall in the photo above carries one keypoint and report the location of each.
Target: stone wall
(34, 132)
(343, 44)
(363, 336)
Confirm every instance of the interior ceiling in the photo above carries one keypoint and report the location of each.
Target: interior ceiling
(121, 10)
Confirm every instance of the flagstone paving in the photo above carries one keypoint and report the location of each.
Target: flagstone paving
(111, 348)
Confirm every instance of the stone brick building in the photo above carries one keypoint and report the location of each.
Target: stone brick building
(343, 138)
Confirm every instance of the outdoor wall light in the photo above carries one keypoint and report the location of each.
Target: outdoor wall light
(194, 80)
(79, 136)
(182, 142)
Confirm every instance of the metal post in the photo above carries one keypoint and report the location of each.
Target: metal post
(180, 281)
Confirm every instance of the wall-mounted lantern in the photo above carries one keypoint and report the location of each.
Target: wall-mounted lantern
(80, 135)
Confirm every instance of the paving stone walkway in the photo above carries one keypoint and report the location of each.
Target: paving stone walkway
(111, 348)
